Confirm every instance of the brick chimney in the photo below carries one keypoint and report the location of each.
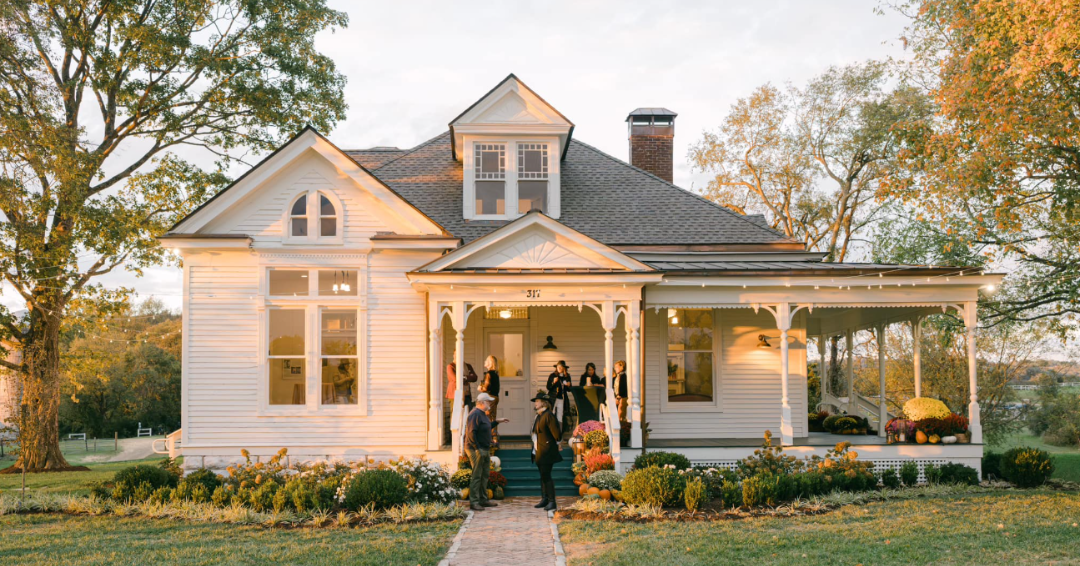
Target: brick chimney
(652, 135)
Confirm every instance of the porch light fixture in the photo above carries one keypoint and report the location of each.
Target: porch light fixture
(550, 345)
(505, 313)
(763, 341)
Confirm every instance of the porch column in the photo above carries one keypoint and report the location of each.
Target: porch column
(607, 318)
(635, 377)
(916, 350)
(971, 321)
(849, 341)
(435, 410)
(459, 321)
(882, 410)
(823, 368)
(783, 320)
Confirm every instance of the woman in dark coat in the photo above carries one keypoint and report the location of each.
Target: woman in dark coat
(546, 434)
(558, 384)
(589, 378)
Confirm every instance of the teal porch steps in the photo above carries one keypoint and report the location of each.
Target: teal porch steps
(523, 479)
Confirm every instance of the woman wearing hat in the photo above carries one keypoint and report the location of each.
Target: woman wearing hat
(558, 383)
(546, 434)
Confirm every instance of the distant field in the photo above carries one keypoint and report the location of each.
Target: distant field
(1034, 394)
(77, 483)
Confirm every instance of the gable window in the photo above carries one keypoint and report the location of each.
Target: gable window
(532, 173)
(314, 216)
(490, 174)
(690, 356)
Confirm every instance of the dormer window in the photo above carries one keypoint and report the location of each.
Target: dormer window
(490, 174)
(314, 216)
(532, 173)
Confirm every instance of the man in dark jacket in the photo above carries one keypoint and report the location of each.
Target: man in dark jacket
(546, 433)
(478, 449)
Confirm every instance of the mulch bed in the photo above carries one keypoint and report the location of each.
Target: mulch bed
(18, 470)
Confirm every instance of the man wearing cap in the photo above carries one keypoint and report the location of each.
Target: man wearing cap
(478, 449)
(546, 433)
(558, 384)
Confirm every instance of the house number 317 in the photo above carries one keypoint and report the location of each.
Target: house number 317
(532, 293)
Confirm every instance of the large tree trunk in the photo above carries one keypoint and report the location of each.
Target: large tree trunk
(39, 418)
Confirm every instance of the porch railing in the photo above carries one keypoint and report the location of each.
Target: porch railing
(610, 418)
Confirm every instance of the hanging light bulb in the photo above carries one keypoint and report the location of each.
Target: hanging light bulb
(345, 282)
(335, 282)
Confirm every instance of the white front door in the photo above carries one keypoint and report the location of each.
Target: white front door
(509, 346)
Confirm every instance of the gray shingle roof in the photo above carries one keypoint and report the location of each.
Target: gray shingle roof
(602, 197)
(848, 268)
(375, 157)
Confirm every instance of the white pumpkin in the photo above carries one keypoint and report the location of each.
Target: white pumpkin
(948, 440)
(496, 464)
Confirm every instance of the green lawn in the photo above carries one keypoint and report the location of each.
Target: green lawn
(67, 539)
(69, 482)
(1013, 528)
(1066, 458)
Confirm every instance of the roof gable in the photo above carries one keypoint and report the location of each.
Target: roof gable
(305, 143)
(535, 242)
(510, 108)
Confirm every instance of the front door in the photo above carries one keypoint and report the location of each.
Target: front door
(509, 346)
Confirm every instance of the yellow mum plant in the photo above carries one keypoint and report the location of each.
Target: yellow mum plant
(921, 408)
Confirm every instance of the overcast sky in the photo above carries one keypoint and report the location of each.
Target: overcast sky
(413, 66)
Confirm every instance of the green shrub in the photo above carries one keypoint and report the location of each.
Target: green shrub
(730, 493)
(767, 489)
(713, 478)
(932, 473)
(844, 424)
(606, 479)
(909, 473)
(1026, 467)
(222, 497)
(205, 477)
(661, 487)
(695, 494)
(161, 495)
(381, 488)
(262, 497)
(156, 476)
(890, 479)
(809, 484)
(958, 473)
(769, 459)
(661, 459)
(991, 465)
(830, 422)
(461, 478)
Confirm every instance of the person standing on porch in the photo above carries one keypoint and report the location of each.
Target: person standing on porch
(619, 385)
(546, 434)
(490, 385)
(590, 378)
(478, 449)
(558, 384)
(451, 388)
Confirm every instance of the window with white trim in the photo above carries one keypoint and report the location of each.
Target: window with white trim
(690, 356)
(313, 216)
(489, 169)
(313, 339)
(532, 174)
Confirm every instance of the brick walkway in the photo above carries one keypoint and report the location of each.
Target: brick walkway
(512, 534)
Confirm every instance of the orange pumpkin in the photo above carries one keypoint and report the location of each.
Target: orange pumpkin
(593, 491)
(921, 437)
(605, 495)
(583, 489)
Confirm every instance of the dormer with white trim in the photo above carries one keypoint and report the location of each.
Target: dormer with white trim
(511, 143)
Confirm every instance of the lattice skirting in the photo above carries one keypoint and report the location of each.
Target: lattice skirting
(879, 465)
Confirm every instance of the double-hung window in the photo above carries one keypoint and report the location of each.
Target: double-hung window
(490, 173)
(314, 324)
(691, 357)
(532, 176)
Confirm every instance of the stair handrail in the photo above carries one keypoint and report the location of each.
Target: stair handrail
(614, 432)
(171, 444)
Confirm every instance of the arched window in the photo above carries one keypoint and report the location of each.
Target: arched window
(298, 221)
(314, 216)
(327, 217)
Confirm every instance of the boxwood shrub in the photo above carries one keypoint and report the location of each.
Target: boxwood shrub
(661, 459)
(653, 485)
(381, 488)
(1026, 467)
(768, 489)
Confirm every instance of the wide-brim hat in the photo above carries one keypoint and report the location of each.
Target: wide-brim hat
(541, 396)
(561, 363)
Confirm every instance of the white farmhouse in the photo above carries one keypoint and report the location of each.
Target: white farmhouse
(326, 290)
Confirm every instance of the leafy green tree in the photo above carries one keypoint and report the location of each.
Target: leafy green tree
(97, 98)
(811, 159)
(999, 170)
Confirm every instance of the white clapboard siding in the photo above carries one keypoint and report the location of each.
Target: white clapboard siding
(223, 379)
(749, 379)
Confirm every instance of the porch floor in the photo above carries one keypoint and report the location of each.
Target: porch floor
(815, 439)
